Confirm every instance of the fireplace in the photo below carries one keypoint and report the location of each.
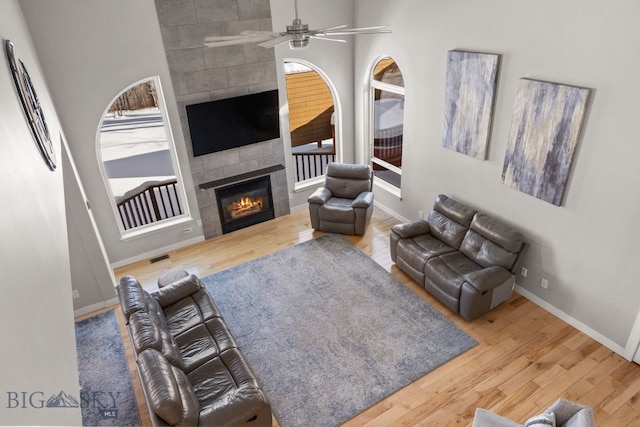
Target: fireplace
(245, 203)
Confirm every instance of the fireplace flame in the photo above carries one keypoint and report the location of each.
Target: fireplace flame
(244, 206)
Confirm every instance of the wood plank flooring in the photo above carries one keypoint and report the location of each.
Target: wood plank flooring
(526, 357)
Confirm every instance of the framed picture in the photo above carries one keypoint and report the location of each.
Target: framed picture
(31, 106)
(470, 85)
(545, 129)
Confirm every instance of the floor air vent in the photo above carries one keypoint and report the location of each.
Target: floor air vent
(159, 258)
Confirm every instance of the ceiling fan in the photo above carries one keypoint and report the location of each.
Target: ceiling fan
(297, 34)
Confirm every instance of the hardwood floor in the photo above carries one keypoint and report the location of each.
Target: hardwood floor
(526, 357)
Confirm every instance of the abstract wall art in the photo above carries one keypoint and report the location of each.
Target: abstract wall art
(470, 85)
(545, 129)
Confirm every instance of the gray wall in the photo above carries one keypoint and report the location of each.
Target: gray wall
(201, 74)
(587, 248)
(99, 49)
(36, 312)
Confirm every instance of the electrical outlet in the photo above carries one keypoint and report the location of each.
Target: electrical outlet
(75, 294)
(544, 283)
(524, 272)
(420, 215)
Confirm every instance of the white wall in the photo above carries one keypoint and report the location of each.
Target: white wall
(36, 312)
(334, 59)
(98, 49)
(586, 248)
(91, 274)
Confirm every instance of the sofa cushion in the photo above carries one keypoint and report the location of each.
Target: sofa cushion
(220, 376)
(489, 242)
(145, 333)
(448, 272)
(346, 188)
(416, 251)
(168, 390)
(346, 180)
(498, 232)
(449, 220)
(460, 213)
(337, 210)
(204, 342)
(177, 290)
(190, 312)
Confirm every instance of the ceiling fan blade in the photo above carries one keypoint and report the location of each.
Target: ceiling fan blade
(259, 33)
(218, 41)
(337, 27)
(274, 42)
(323, 37)
(362, 30)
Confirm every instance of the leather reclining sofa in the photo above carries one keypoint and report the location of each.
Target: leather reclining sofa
(464, 258)
(191, 369)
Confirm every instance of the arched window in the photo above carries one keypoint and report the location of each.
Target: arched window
(312, 121)
(138, 162)
(386, 128)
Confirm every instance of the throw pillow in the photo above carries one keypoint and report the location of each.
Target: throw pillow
(543, 420)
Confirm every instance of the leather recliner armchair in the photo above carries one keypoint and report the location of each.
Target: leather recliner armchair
(345, 203)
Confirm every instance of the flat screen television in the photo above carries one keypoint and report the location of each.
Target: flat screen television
(233, 122)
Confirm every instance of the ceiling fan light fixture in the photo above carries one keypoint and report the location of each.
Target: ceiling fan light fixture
(297, 27)
(298, 44)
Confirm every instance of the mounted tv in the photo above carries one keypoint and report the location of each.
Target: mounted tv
(233, 122)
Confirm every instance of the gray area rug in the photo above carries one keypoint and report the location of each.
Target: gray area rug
(106, 394)
(329, 332)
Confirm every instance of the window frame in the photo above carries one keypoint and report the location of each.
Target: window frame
(299, 186)
(136, 232)
(386, 87)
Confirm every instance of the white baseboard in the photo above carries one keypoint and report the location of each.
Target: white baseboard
(390, 211)
(573, 322)
(157, 252)
(294, 209)
(93, 307)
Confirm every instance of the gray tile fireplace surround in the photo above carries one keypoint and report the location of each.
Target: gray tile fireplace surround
(234, 165)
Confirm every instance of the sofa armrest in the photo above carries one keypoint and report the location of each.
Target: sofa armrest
(364, 200)
(174, 292)
(488, 278)
(245, 406)
(320, 196)
(566, 410)
(485, 418)
(411, 229)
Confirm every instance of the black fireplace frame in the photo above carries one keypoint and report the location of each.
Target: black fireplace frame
(239, 188)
